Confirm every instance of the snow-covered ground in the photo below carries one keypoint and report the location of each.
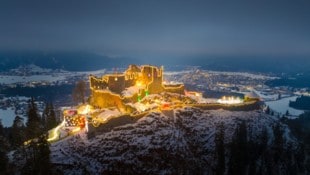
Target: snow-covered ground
(108, 114)
(181, 133)
(8, 79)
(282, 106)
(130, 91)
(7, 117)
(33, 73)
(12, 106)
(264, 97)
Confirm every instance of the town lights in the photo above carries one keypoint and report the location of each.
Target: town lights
(229, 100)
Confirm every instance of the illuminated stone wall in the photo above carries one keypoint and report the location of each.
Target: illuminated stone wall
(105, 99)
(96, 83)
(152, 77)
(116, 83)
(132, 75)
(106, 91)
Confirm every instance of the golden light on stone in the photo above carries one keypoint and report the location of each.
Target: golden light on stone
(138, 83)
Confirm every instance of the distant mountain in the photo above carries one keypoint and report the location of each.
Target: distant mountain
(85, 61)
(71, 61)
(265, 64)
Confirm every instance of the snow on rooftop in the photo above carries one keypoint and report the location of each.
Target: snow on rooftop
(130, 91)
(107, 114)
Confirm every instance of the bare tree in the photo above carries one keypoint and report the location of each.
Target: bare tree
(78, 93)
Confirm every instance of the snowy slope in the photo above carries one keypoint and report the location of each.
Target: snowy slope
(157, 143)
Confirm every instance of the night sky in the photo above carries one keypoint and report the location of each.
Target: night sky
(175, 28)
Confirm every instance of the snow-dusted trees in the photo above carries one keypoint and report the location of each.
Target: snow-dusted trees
(239, 151)
(33, 124)
(3, 151)
(49, 117)
(255, 154)
(37, 157)
(17, 136)
(36, 152)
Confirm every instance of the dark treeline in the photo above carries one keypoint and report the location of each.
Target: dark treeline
(295, 81)
(29, 142)
(302, 103)
(71, 61)
(246, 153)
(300, 127)
(45, 93)
(265, 153)
(85, 61)
(258, 154)
(253, 155)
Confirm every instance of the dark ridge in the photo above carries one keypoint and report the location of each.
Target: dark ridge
(71, 61)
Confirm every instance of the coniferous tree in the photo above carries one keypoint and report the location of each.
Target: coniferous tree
(1, 129)
(42, 163)
(263, 152)
(278, 142)
(267, 110)
(239, 151)
(263, 141)
(49, 117)
(33, 125)
(18, 132)
(37, 151)
(3, 155)
(4, 146)
(220, 149)
(51, 120)
(277, 148)
(45, 115)
(38, 161)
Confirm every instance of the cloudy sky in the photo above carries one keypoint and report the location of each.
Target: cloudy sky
(177, 28)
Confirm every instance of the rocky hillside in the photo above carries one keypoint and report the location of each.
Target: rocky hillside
(184, 141)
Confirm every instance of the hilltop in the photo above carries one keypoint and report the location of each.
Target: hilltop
(172, 142)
